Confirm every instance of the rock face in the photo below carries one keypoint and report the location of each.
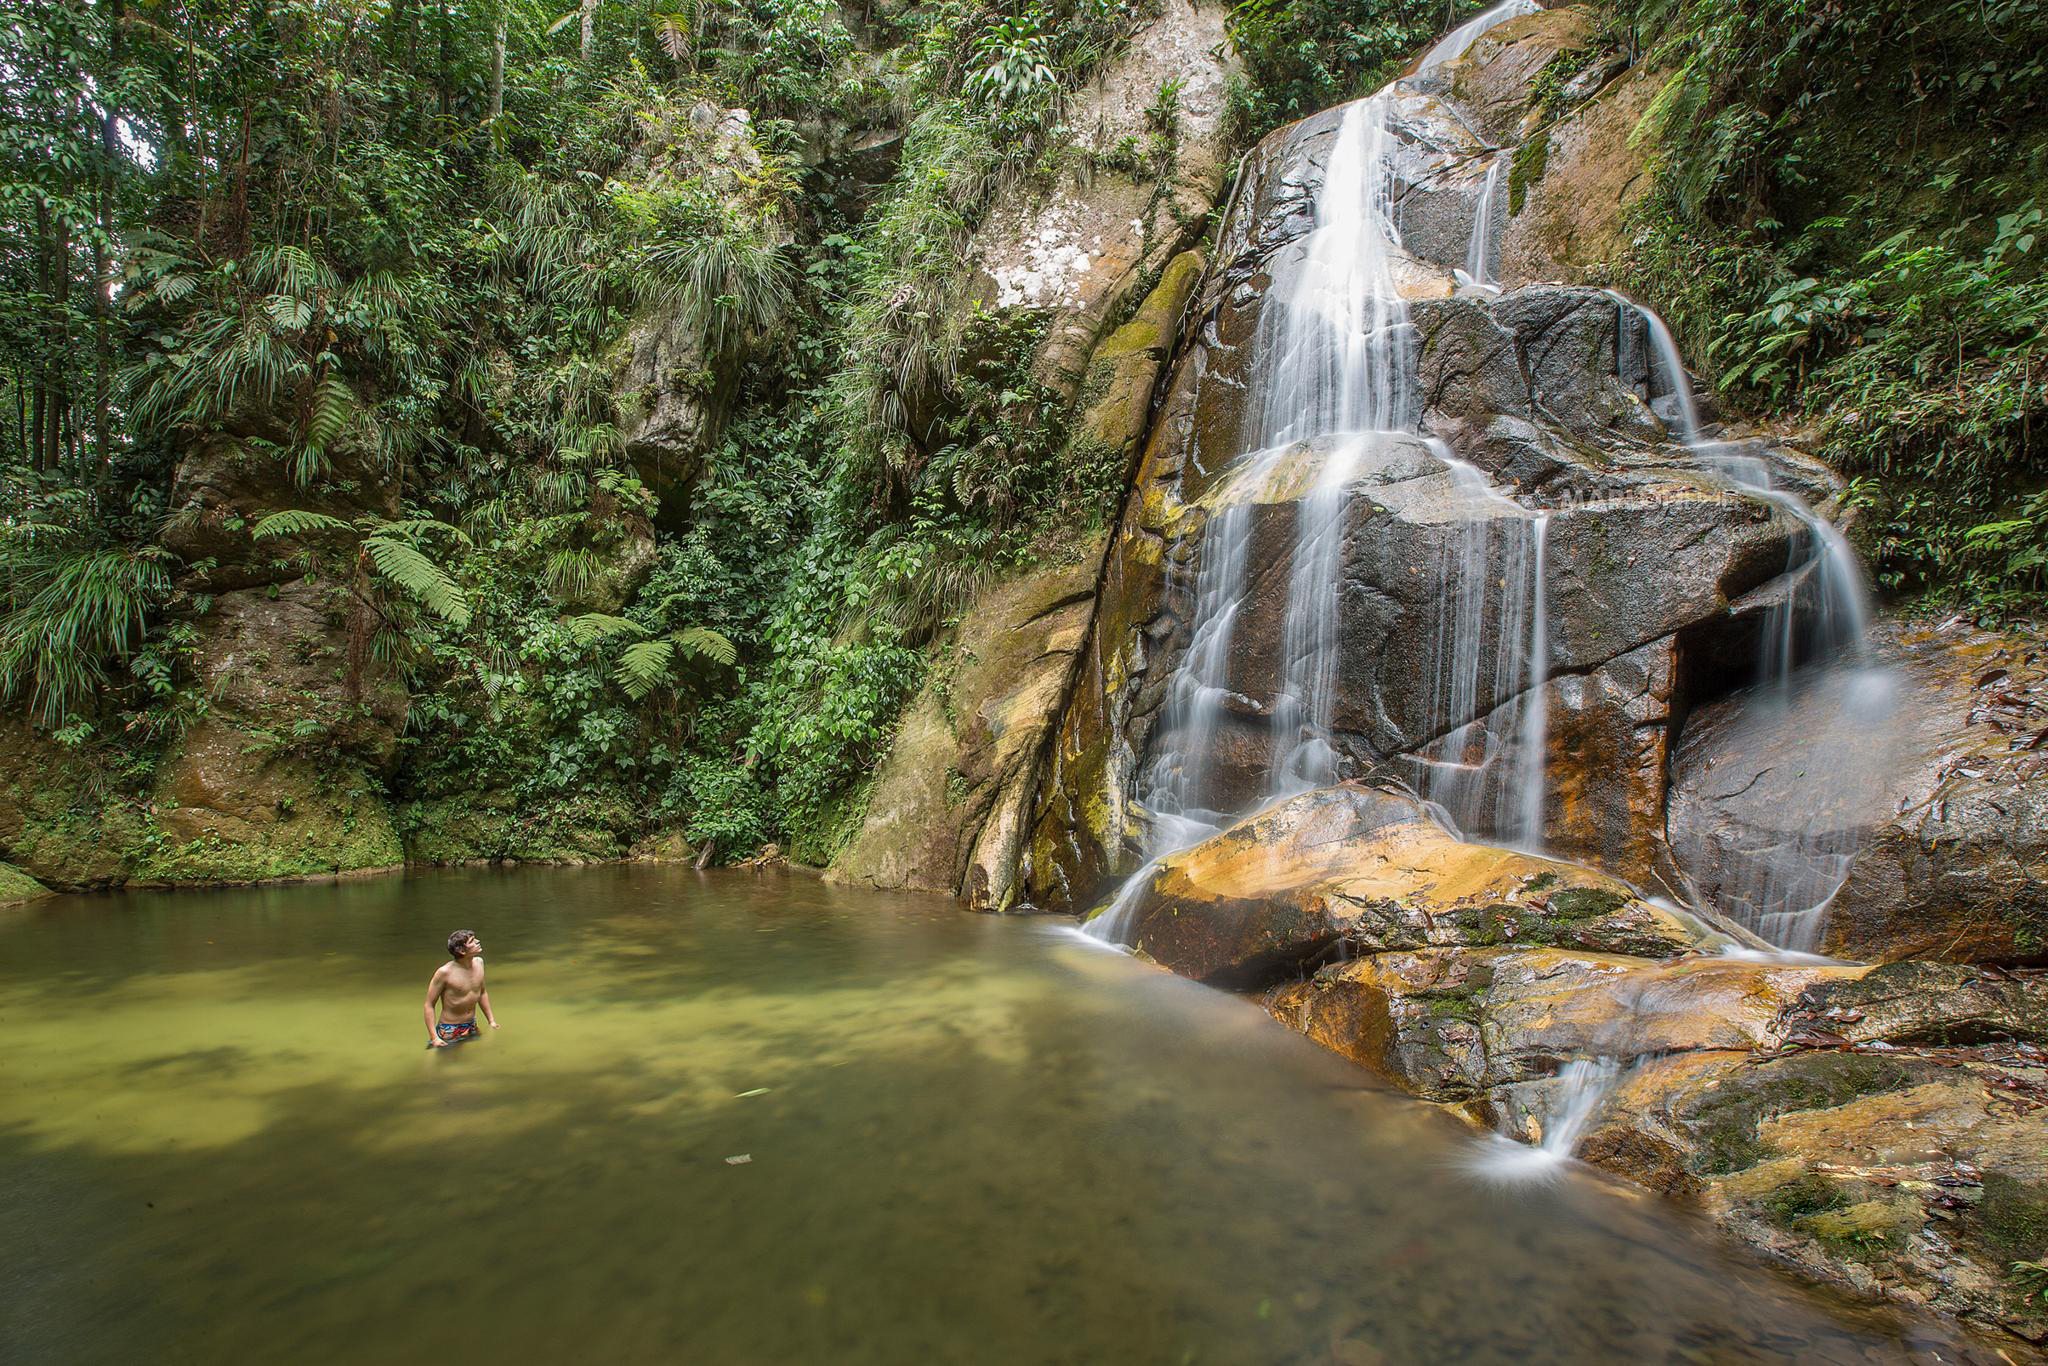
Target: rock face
(1141, 180)
(1937, 831)
(1542, 392)
(673, 396)
(948, 808)
(280, 776)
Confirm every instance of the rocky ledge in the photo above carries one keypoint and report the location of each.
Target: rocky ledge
(1880, 1129)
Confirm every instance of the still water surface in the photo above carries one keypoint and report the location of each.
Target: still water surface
(978, 1140)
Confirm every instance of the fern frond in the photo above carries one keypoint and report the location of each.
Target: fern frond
(706, 643)
(295, 522)
(643, 666)
(334, 403)
(415, 526)
(412, 571)
(594, 626)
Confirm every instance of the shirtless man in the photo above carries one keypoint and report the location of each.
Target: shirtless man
(458, 988)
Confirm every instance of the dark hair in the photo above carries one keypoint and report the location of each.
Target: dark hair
(457, 940)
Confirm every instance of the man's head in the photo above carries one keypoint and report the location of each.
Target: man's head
(463, 944)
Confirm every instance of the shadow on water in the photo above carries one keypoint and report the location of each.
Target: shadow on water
(968, 1139)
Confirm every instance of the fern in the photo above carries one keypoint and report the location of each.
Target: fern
(708, 644)
(333, 405)
(595, 626)
(643, 666)
(405, 566)
(296, 522)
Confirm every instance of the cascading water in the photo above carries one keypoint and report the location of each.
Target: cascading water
(1812, 646)
(1479, 256)
(1335, 356)
(1491, 645)
(1335, 380)
(1582, 1085)
(1454, 44)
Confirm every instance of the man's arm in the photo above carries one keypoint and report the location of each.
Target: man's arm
(434, 989)
(483, 997)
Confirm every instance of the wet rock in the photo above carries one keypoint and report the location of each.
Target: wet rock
(1932, 818)
(1452, 1024)
(1914, 1176)
(1369, 871)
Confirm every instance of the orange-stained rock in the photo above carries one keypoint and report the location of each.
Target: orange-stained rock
(1453, 1023)
(1371, 870)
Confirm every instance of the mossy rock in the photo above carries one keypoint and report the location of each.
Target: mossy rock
(17, 886)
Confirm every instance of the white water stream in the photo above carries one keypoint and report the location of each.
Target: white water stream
(1810, 633)
(1335, 381)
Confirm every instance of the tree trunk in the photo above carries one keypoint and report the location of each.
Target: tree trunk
(589, 25)
(498, 64)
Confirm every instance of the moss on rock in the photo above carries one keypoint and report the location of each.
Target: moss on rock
(17, 886)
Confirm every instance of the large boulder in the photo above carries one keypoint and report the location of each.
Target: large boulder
(1455, 1024)
(1370, 872)
(1924, 805)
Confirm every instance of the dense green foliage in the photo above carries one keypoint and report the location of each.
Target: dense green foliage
(1303, 55)
(1850, 222)
(379, 265)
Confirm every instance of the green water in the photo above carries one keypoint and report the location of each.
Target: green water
(222, 1139)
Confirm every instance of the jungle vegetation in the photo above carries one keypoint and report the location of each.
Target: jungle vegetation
(389, 256)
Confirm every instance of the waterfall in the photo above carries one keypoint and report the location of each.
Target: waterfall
(1334, 382)
(1336, 355)
(1581, 1087)
(1811, 646)
(1533, 733)
(1491, 644)
(1453, 44)
(1479, 256)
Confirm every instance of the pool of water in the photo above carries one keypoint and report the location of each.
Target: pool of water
(967, 1139)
